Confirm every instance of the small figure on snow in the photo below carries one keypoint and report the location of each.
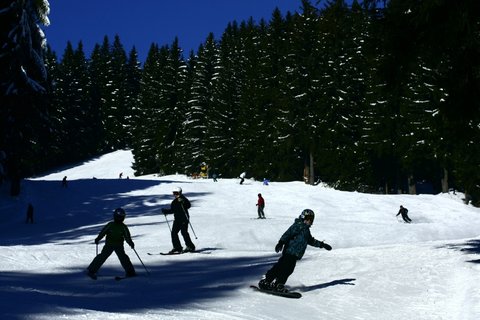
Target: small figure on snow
(265, 181)
(242, 177)
(179, 207)
(403, 211)
(120, 175)
(29, 213)
(117, 232)
(261, 206)
(64, 182)
(214, 177)
(294, 243)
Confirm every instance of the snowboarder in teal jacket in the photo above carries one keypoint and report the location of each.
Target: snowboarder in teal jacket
(294, 243)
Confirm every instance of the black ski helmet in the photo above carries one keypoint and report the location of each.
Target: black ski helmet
(119, 215)
(307, 214)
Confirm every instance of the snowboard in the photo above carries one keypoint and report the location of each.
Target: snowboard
(290, 294)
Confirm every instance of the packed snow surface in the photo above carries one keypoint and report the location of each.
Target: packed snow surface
(379, 268)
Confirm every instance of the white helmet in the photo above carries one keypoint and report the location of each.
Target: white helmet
(177, 190)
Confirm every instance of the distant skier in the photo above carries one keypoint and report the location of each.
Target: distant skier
(294, 243)
(242, 177)
(29, 213)
(117, 232)
(64, 182)
(260, 206)
(179, 207)
(404, 212)
(266, 181)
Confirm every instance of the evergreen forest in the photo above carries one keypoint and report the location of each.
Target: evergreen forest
(369, 96)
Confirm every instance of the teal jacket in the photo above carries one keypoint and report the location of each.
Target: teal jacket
(296, 239)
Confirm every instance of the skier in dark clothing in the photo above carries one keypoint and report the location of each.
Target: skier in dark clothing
(179, 207)
(294, 243)
(404, 212)
(117, 232)
(261, 206)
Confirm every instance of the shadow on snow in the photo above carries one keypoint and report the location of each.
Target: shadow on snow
(468, 247)
(82, 208)
(347, 282)
(172, 284)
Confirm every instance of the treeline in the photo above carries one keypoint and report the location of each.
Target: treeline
(376, 95)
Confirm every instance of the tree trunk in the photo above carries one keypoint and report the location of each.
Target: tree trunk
(445, 181)
(306, 172)
(312, 171)
(412, 189)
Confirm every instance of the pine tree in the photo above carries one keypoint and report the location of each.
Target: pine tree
(99, 75)
(277, 58)
(172, 110)
(24, 121)
(146, 139)
(200, 112)
(226, 99)
(116, 107)
(73, 105)
(132, 92)
(305, 105)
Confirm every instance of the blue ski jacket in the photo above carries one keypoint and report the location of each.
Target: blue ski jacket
(296, 239)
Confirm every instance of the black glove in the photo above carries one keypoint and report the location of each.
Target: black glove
(132, 245)
(97, 241)
(279, 247)
(326, 246)
(164, 211)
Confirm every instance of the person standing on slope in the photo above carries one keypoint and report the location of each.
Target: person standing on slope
(294, 243)
(261, 206)
(117, 232)
(179, 208)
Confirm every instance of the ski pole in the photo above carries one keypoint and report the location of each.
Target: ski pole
(192, 228)
(141, 261)
(167, 223)
(188, 219)
(97, 248)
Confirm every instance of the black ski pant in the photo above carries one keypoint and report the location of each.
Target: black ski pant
(183, 228)
(406, 218)
(282, 269)
(261, 214)
(107, 250)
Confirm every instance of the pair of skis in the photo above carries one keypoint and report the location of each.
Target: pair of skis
(117, 278)
(204, 251)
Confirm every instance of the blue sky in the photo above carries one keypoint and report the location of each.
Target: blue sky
(141, 22)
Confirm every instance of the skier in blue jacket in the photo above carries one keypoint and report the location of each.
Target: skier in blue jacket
(294, 243)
